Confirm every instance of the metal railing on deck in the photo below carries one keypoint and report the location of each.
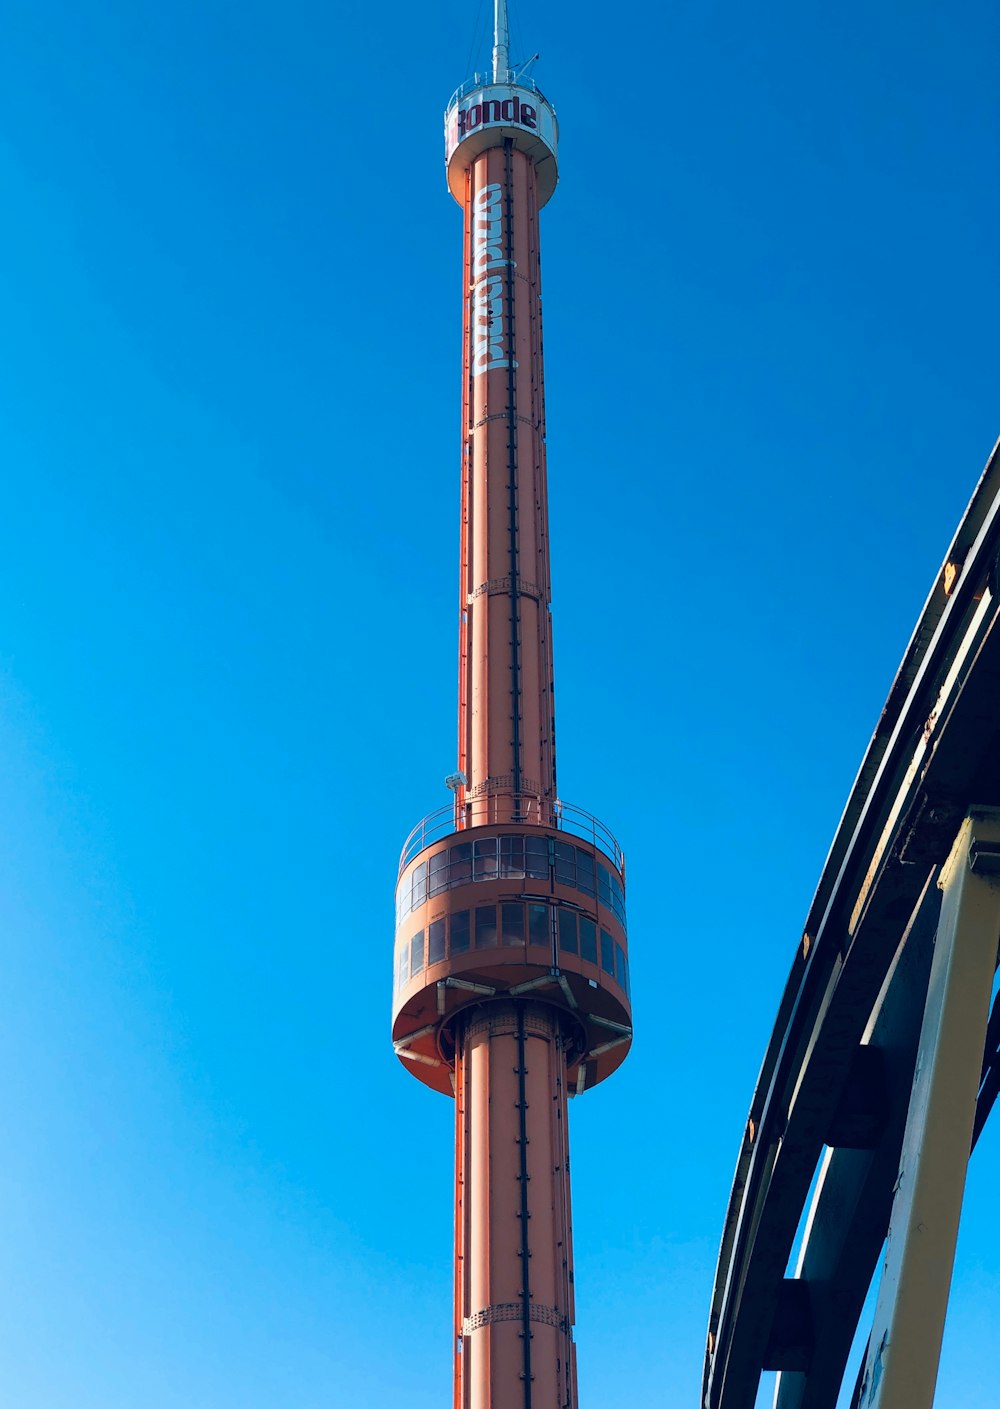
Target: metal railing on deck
(485, 80)
(501, 809)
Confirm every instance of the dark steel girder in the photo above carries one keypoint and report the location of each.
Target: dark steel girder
(936, 751)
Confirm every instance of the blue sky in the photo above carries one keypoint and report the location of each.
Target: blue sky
(229, 416)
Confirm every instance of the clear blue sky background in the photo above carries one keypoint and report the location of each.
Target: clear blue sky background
(229, 378)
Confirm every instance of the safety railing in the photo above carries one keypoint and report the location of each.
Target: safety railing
(485, 80)
(502, 809)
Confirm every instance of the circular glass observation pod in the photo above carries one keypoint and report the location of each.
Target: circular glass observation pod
(504, 908)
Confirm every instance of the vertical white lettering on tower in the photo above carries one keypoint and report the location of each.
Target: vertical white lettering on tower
(487, 320)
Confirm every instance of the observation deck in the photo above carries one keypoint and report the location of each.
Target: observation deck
(527, 899)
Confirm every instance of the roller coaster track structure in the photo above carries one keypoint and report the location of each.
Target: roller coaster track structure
(834, 1089)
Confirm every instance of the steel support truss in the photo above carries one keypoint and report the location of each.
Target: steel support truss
(901, 1364)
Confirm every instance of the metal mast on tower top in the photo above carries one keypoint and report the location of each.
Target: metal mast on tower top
(501, 43)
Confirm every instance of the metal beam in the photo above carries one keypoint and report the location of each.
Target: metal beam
(902, 1361)
(850, 1211)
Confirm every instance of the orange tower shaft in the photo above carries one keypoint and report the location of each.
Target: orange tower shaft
(506, 729)
(514, 1277)
(513, 1294)
(511, 983)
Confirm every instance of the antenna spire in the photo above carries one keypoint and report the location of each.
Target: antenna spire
(501, 43)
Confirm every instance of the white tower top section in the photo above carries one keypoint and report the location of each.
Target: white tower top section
(501, 43)
(500, 107)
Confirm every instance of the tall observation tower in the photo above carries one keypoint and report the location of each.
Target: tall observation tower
(511, 964)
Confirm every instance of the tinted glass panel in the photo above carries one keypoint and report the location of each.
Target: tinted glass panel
(512, 917)
(536, 858)
(404, 964)
(459, 931)
(603, 885)
(620, 965)
(584, 871)
(435, 942)
(512, 856)
(437, 873)
(565, 863)
(486, 926)
(607, 953)
(484, 859)
(461, 863)
(403, 898)
(538, 924)
(588, 940)
(420, 884)
(567, 932)
(417, 952)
